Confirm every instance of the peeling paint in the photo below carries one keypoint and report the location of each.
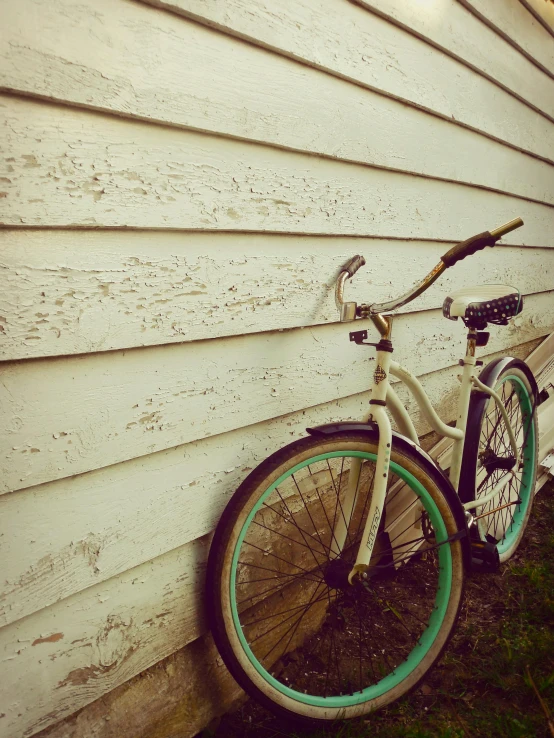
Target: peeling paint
(168, 297)
(48, 639)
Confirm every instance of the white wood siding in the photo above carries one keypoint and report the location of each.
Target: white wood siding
(542, 11)
(101, 410)
(128, 59)
(479, 47)
(180, 183)
(346, 41)
(68, 292)
(511, 20)
(75, 168)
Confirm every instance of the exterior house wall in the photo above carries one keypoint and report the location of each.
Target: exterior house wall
(181, 183)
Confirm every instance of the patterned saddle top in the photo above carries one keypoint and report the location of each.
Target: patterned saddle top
(488, 303)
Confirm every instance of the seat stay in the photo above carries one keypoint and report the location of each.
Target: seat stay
(489, 391)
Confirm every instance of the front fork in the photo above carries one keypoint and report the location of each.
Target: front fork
(380, 482)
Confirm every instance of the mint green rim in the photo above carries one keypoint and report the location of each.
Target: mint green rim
(428, 636)
(529, 452)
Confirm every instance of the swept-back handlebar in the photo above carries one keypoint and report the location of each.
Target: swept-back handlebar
(350, 310)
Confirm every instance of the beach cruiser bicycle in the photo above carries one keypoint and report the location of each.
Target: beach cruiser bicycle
(336, 572)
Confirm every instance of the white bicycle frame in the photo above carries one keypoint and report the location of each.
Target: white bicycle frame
(383, 396)
(383, 392)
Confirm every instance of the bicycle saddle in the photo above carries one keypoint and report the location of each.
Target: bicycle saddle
(488, 303)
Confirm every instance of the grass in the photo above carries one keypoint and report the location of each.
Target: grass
(487, 684)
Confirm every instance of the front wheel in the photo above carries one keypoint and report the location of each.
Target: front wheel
(291, 629)
(489, 461)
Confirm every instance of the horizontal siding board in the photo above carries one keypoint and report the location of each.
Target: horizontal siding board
(541, 362)
(169, 699)
(511, 19)
(105, 408)
(452, 28)
(70, 654)
(546, 427)
(350, 42)
(542, 11)
(106, 64)
(67, 292)
(121, 516)
(73, 168)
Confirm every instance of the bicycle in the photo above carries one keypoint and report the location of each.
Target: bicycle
(335, 575)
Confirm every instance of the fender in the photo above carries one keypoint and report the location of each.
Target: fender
(492, 371)
(428, 464)
(341, 426)
(477, 403)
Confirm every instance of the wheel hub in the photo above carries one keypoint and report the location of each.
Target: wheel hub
(336, 574)
(492, 462)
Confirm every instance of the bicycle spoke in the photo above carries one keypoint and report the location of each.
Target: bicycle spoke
(294, 523)
(279, 558)
(277, 587)
(265, 568)
(401, 513)
(410, 525)
(288, 538)
(307, 607)
(307, 508)
(331, 528)
(494, 441)
(293, 609)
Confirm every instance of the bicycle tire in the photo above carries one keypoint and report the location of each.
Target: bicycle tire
(487, 444)
(272, 554)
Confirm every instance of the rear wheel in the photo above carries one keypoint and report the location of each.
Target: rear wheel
(291, 629)
(489, 460)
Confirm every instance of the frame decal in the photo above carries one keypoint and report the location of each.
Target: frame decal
(379, 374)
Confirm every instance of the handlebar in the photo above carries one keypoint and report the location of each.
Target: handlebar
(353, 265)
(349, 310)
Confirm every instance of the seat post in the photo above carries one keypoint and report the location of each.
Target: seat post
(471, 342)
(468, 363)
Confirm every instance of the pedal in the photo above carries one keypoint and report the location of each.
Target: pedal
(484, 557)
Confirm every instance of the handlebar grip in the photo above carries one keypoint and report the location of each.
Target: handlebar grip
(353, 265)
(468, 247)
(476, 243)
